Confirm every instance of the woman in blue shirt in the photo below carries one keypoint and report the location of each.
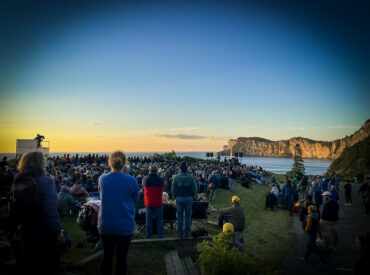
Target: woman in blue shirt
(116, 223)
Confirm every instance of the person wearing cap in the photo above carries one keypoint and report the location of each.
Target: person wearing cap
(184, 189)
(329, 218)
(234, 215)
(153, 188)
(228, 231)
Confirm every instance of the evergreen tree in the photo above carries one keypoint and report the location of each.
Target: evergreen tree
(298, 169)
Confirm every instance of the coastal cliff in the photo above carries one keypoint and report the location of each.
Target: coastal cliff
(255, 146)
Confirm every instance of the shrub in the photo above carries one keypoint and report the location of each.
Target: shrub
(216, 257)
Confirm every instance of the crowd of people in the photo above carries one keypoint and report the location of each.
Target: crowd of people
(65, 183)
(316, 200)
(59, 186)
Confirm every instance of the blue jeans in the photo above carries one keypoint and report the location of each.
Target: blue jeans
(231, 185)
(184, 204)
(150, 213)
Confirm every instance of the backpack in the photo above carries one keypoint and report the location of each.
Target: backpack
(24, 204)
(87, 217)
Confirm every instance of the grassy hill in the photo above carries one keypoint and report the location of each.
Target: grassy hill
(267, 238)
(353, 162)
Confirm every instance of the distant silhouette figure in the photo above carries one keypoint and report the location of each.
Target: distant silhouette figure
(39, 139)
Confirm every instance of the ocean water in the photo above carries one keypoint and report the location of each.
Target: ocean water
(275, 165)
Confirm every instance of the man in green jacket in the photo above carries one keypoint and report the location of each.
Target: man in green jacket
(184, 189)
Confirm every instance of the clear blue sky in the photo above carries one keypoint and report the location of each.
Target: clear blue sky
(180, 77)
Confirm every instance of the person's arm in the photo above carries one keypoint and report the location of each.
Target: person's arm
(174, 186)
(225, 211)
(135, 190)
(48, 194)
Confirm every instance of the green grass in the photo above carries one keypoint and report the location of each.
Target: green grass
(267, 238)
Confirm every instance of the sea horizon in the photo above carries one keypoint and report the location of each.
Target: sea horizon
(278, 165)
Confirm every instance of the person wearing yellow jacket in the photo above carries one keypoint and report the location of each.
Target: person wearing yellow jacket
(312, 229)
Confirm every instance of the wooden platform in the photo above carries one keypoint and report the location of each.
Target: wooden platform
(177, 243)
(179, 266)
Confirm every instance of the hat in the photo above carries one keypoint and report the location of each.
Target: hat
(153, 168)
(235, 199)
(326, 193)
(228, 228)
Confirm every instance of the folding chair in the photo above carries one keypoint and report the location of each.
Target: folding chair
(169, 217)
(199, 212)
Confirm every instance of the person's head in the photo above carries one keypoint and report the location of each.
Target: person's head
(34, 160)
(314, 184)
(332, 188)
(308, 198)
(235, 200)
(117, 160)
(65, 189)
(153, 168)
(165, 197)
(184, 167)
(312, 209)
(363, 242)
(228, 228)
(326, 195)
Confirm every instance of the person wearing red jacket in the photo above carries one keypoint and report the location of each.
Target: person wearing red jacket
(153, 188)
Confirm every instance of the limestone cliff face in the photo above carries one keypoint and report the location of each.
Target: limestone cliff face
(255, 146)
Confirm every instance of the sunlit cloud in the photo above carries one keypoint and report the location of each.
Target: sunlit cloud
(181, 136)
(94, 123)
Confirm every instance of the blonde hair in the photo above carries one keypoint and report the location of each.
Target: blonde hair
(34, 160)
(117, 160)
(312, 208)
(165, 197)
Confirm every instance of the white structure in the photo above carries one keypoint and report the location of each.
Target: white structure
(26, 145)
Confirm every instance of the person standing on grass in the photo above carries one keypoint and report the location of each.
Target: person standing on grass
(184, 189)
(116, 223)
(153, 190)
(348, 193)
(287, 194)
(34, 215)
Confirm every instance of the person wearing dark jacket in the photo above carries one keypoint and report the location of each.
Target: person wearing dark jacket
(330, 218)
(348, 193)
(153, 190)
(41, 234)
(184, 189)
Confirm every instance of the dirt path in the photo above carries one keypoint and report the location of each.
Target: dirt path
(344, 258)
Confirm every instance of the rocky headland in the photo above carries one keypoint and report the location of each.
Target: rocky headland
(256, 146)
